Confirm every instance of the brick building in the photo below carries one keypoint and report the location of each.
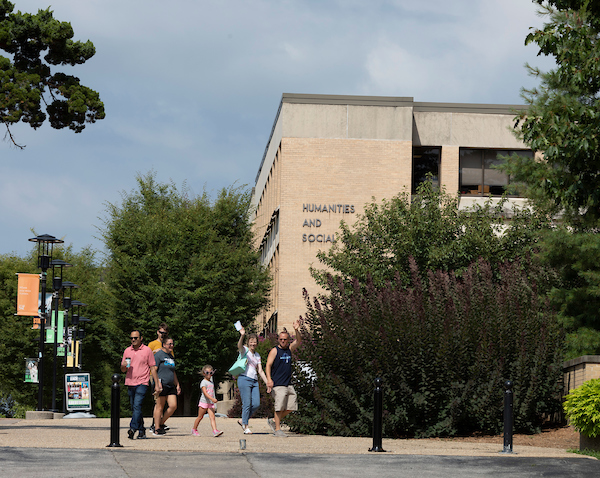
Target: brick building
(329, 155)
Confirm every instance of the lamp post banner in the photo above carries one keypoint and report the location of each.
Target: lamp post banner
(61, 328)
(31, 370)
(28, 289)
(36, 320)
(79, 393)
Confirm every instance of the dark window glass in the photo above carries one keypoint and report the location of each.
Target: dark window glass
(426, 160)
(478, 174)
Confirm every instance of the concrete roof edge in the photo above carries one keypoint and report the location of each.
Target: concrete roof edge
(347, 100)
(582, 359)
(467, 108)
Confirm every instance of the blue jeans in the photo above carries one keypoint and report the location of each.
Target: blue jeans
(136, 397)
(250, 396)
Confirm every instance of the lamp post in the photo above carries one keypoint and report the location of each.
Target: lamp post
(81, 335)
(57, 285)
(68, 287)
(45, 248)
(75, 318)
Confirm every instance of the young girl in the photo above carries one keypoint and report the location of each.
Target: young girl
(207, 401)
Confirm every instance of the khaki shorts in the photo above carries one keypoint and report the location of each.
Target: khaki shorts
(285, 398)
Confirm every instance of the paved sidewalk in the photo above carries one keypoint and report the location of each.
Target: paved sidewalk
(78, 448)
(122, 463)
(94, 433)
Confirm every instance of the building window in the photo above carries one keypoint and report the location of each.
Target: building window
(271, 325)
(426, 160)
(478, 173)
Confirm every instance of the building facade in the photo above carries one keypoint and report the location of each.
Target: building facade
(328, 156)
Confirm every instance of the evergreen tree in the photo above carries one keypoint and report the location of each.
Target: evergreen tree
(26, 80)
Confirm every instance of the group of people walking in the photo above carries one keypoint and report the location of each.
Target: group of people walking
(154, 366)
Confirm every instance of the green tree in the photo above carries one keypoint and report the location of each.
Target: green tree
(19, 340)
(575, 294)
(100, 350)
(26, 80)
(431, 229)
(562, 119)
(189, 262)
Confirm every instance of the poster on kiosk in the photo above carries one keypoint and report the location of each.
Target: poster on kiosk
(79, 393)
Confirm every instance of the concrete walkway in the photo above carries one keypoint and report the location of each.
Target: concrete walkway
(78, 448)
(88, 433)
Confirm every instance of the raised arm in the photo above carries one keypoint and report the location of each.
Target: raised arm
(240, 344)
(297, 337)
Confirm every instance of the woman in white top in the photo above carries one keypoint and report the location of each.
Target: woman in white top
(248, 381)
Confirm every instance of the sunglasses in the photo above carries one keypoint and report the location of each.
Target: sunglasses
(134, 338)
(169, 345)
(162, 333)
(210, 372)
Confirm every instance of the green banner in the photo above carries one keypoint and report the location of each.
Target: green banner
(61, 328)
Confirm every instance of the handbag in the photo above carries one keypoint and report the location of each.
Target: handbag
(239, 366)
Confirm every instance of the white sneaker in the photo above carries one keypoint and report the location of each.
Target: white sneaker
(247, 431)
(271, 423)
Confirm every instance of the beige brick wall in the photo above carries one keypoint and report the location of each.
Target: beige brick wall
(580, 370)
(345, 172)
(449, 166)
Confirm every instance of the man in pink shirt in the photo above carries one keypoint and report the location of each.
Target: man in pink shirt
(138, 362)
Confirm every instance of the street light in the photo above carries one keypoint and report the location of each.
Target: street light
(45, 249)
(57, 285)
(68, 287)
(75, 320)
(81, 335)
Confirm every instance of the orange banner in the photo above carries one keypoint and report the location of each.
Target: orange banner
(28, 294)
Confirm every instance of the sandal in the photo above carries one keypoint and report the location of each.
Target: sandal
(241, 424)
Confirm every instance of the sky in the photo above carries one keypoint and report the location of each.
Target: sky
(191, 89)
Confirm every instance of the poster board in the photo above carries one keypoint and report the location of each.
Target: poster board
(31, 370)
(78, 389)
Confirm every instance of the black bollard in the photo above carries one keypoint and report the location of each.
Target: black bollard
(508, 417)
(115, 411)
(377, 417)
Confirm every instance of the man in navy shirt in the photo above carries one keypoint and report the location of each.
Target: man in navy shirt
(279, 375)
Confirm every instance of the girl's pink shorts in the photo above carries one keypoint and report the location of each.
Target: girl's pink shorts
(206, 405)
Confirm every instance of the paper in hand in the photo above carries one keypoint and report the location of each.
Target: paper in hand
(238, 326)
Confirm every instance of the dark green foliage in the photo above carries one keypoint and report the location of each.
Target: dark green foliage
(36, 41)
(433, 231)
(562, 118)
(575, 258)
(18, 341)
(443, 351)
(189, 262)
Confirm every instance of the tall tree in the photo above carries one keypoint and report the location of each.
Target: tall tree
(27, 82)
(189, 262)
(562, 120)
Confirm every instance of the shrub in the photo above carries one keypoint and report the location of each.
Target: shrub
(443, 351)
(582, 408)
